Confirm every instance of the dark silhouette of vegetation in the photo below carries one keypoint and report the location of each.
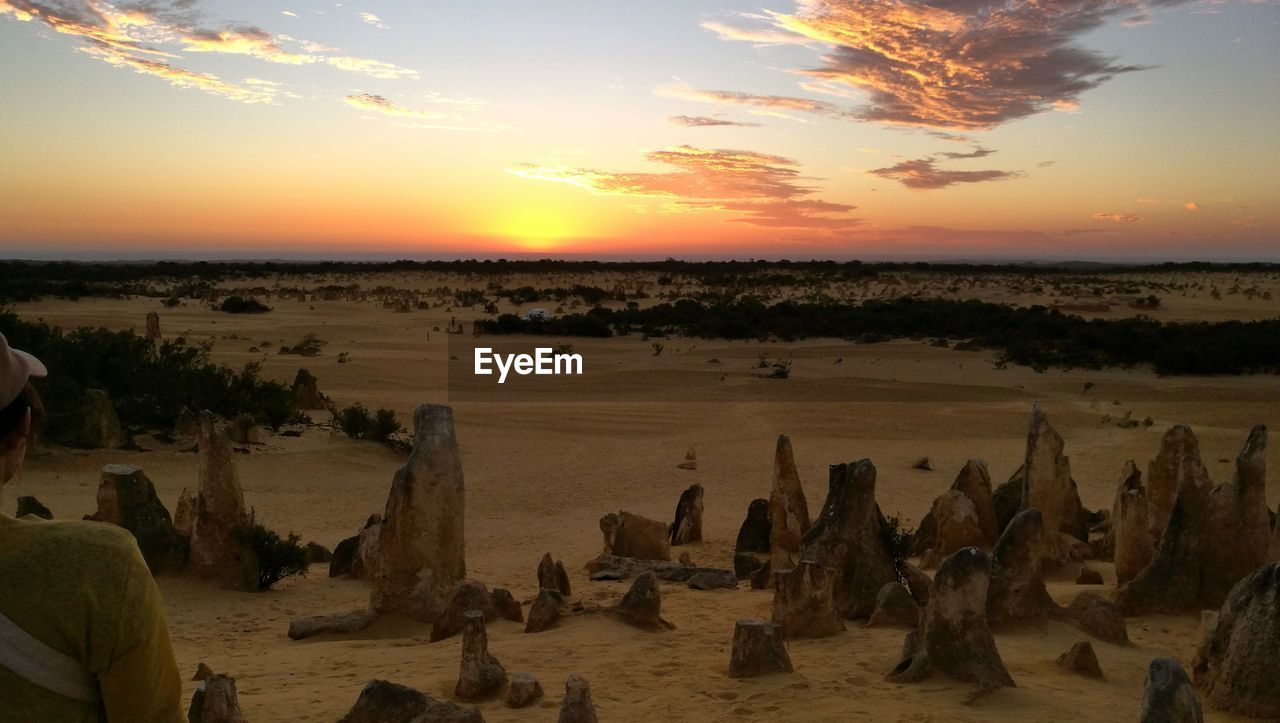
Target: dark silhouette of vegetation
(150, 383)
(310, 345)
(357, 423)
(241, 305)
(1034, 336)
(898, 539)
(278, 557)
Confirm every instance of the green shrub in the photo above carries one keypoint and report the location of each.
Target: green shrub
(384, 425)
(278, 557)
(241, 305)
(353, 421)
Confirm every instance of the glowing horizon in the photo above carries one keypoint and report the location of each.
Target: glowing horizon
(712, 128)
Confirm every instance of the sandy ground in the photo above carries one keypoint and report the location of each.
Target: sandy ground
(539, 476)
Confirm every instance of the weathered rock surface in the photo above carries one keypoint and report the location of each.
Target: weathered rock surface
(612, 567)
(974, 482)
(128, 499)
(29, 505)
(804, 602)
(1169, 696)
(306, 392)
(953, 637)
(524, 690)
(215, 701)
(712, 581)
(1214, 537)
(751, 550)
(1134, 542)
(505, 605)
(894, 608)
(153, 326)
(368, 549)
(1047, 486)
(1082, 660)
(1017, 591)
(382, 701)
(1237, 667)
(545, 611)
(344, 556)
(642, 605)
(352, 621)
(917, 582)
(480, 675)
(847, 539)
(955, 525)
(218, 515)
(469, 595)
(243, 430)
(687, 527)
(94, 423)
(183, 512)
(577, 706)
(203, 672)
(421, 553)
(788, 510)
(631, 535)
(1098, 617)
(758, 649)
(553, 576)
(1089, 576)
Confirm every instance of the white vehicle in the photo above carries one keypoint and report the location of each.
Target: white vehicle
(539, 314)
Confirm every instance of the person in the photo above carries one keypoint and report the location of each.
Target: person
(83, 635)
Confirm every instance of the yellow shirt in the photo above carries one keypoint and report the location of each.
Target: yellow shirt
(82, 588)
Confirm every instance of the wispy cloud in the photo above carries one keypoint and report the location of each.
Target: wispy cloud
(937, 63)
(461, 113)
(379, 104)
(135, 35)
(924, 174)
(1117, 217)
(701, 121)
(373, 20)
(684, 91)
(760, 189)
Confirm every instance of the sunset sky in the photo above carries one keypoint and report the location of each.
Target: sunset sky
(1089, 129)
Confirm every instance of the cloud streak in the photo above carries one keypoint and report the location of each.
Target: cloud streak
(700, 121)
(954, 64)
(924, 174)
(760, 189)
(1116, 217)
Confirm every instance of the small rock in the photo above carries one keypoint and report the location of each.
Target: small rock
(577, 706)
(923, 463)
(381, 701)
(28, 505)
(1089, 576)
(894, 608)
(1169, 696)
(480, 675)
(525, 689)
(470, 596)
(545, 611)
(505, 605)
(202, 672)
(1082, 660)
(352, 621)
(642, 605)
(758, 649)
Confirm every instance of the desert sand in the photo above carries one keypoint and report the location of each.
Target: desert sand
(539, 477)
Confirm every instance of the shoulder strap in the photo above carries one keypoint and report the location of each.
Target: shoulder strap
(41, 665)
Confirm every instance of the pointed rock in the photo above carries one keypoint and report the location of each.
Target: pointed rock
(306, 393)
(1238, 664)
(1081, 659)
(153, 326)
(577, 706)
(788, 510)
(128, 499)
(751, 550)
(1047, 486)
(688, 525)
(804, 602)
(480, 676)
(974, 482)
(758, 649)
(642, 605)
(955, 523)
(895, 608)
(848, 539)
(183, 512)
(545, 611)
(421, 554)
(1017, 591)
(690, 460)
(29, 505)
(215, 701)
(1135, 542)
(1169, 696)
(218, 515)
(203, 672)
(1176, 466)
(552, 575)
(917, 582)
(953, 637)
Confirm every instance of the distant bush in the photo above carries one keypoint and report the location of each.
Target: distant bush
(310, 345)
(241, 305)
(278, 557)
(148, 382)
(357, 423)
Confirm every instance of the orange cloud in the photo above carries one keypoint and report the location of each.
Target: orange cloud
(923, 173)
(726, 97)
(937, 64)
(1192, 206)
(1116, 217)
(703, 121)
(763, 189)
